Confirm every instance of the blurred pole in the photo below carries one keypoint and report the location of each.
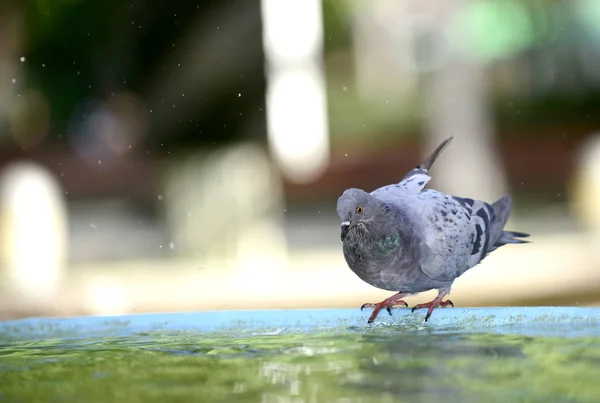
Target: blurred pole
(457, 105)
(296, 101)
(585, 194)
(585, 187)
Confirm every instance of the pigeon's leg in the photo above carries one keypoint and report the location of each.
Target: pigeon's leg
(435, 303)
(388, 304)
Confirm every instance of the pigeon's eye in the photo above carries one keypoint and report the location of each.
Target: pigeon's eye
(359, 209)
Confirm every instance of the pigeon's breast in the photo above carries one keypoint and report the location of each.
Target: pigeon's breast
(383, 264)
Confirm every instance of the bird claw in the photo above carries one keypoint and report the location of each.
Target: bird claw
(432, 305)
(388, 304)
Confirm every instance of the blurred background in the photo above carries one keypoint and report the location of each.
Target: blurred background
(183, 156)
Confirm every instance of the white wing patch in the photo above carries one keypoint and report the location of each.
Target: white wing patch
(412, 184)
(415, 183)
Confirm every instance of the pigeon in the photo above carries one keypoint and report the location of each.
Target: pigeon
(408, 239)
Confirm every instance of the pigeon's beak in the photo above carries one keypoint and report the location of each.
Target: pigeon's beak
(345, 227)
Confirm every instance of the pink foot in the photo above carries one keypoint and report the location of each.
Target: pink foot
(388, 304)
(432, 305)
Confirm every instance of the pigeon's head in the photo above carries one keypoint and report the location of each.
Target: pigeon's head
(359, 210)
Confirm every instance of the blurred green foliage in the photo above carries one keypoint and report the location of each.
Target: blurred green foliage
(81, 49)
(542, 44)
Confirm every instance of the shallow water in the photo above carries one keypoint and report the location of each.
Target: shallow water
(353, 364)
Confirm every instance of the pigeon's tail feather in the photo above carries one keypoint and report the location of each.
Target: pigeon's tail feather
(513, 237)
(501, 208)
(426, 165)
(498, 236)
(490, 220)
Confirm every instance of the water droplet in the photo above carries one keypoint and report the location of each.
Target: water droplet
(345, 155)
(172, 245)
(22, 59)
(239, 94)
(14, 80)
(93, 226)
(160, 197)
(99, 162)
(345, 88)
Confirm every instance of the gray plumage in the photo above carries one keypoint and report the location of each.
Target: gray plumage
(408, 239)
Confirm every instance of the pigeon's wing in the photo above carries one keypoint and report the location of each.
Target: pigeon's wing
(484, 221)
(461, 232)
(449, 233)
(445, 226)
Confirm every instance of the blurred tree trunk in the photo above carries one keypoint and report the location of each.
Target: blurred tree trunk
(398, 43)
(457, 105)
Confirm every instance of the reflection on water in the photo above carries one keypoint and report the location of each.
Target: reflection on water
(376, 365)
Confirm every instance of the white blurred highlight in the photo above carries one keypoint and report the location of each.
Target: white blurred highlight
(298, 124)
(105, 297)
(296, 101)
(293, 29)
(34, 231)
